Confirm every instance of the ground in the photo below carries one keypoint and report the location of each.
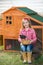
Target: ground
(11, 58)
(14, 58)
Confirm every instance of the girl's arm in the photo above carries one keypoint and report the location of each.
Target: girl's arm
(19, 39)
(34, 38)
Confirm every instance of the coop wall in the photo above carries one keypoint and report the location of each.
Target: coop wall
(12, 44)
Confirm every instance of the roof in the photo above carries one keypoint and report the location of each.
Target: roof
(14, 11)
(31, 13)
(38, 17)
(27, 10)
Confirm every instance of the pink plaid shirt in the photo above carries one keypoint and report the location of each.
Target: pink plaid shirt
(30, 34)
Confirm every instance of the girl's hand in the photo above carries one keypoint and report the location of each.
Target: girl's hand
(20, 43)
(31, 41)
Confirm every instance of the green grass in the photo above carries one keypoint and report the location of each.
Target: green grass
(7, 58)
(11, 58)
(38, 61)
(1, 47)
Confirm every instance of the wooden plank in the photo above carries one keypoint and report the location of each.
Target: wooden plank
(3, 43)
(11, 50)
(35, 26)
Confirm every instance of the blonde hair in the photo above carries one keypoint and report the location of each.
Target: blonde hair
(29, 21)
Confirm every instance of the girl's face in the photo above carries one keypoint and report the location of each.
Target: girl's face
(25, 23)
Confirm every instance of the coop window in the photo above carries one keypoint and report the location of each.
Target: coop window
(10, 17)
(6, 17)
(11, 44)
(6, 22)
(10, 22)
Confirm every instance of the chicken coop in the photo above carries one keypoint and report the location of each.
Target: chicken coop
(12, 22)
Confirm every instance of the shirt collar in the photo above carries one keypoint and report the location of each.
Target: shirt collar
(28, 29)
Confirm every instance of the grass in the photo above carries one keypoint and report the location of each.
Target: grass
(7, 58)
(38, 61)
(11, 58)
(1, 47)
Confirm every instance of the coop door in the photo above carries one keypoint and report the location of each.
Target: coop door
(11, 44)
(39, 38)
(1, 39)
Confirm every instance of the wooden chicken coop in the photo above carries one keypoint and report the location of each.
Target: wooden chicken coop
(12, 22)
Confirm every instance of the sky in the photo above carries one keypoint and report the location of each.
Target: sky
(36, 5)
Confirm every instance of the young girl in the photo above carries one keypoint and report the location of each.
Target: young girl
(30, 35)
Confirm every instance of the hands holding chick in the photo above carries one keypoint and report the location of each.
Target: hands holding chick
(25, 41)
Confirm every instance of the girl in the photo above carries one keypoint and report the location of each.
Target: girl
(30, 35)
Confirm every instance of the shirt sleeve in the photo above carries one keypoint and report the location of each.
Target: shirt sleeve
(34, 37)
